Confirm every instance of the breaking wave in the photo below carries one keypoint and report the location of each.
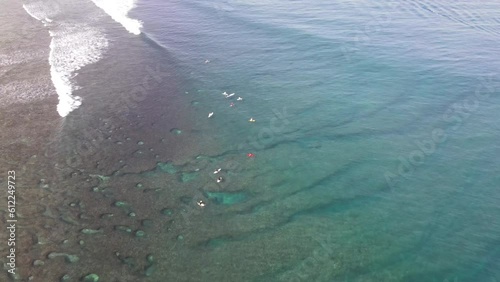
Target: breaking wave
(118, 10)
(73, 46)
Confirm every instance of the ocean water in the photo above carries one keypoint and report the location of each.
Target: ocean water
(361, 143)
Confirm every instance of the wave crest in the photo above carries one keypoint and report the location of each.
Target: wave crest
(118, 10)
(73, 46)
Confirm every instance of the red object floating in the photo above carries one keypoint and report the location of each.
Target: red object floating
(250, 155)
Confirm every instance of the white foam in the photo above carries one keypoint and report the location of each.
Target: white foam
(19, 57)
(42, 11)
(118, 10)
(32, 12)
(73, 46)
(27, 90)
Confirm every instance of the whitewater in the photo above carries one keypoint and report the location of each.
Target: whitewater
(118, 10)
(73, 46)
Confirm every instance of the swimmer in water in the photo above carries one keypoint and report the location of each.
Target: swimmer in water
(220, 179)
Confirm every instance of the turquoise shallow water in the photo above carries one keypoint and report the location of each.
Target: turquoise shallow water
(376, 128)
(373, 155)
